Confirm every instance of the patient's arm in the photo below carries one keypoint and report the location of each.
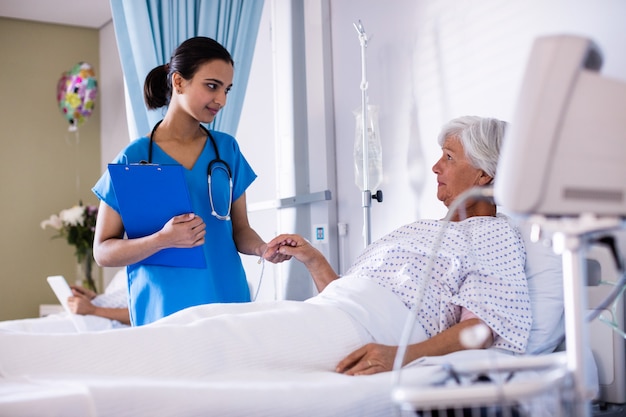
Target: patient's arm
(81, 304)
(120, 314)
(300, 248)
(374, 358)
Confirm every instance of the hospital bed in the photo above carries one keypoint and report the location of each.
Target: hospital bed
(607, 344)
(284, 393)
(538, 386)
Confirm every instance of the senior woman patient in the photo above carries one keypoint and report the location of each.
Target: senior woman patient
(354, 324)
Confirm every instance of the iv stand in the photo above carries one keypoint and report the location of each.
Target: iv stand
(366, 198)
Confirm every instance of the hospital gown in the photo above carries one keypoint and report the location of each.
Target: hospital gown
(479, 266)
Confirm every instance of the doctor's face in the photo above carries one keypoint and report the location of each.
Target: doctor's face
(205, 94)
(455, 173)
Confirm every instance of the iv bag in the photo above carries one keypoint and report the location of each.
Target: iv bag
(375, 151)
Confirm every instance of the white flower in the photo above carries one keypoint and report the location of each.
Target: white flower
(54, 221)
(74, 216)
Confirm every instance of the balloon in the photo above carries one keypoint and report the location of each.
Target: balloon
(76, 94)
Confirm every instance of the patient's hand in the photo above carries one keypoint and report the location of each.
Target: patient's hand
(273, 255)
(80, 304)
(293, 245)
(370, 359)
(78, 290)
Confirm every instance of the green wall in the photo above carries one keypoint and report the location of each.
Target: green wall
(44, 168)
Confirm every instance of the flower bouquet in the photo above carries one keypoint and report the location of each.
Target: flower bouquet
(77, 225)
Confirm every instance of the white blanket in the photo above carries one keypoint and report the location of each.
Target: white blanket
(272, 394)
(274, 358)
(235, 394)
(203, 340)
(57, 323)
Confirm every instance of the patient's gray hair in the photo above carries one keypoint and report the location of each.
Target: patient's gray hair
(481, 138)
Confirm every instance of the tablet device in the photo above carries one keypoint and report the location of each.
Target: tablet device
(148, 196)
(63, 291)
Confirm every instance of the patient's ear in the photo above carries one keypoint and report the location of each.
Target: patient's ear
(484, 179)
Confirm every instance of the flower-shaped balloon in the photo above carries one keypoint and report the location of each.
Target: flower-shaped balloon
(76, 94)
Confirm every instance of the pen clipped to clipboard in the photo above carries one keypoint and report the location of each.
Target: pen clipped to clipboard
(148, 196)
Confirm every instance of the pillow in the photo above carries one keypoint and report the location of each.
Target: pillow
(544, 272)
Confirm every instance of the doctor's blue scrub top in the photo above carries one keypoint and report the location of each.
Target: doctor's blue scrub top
(158, 291)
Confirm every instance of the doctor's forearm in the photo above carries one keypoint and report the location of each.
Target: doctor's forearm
(123, 252)
(249, 242)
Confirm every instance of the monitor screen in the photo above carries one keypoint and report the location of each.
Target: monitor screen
(565, 150)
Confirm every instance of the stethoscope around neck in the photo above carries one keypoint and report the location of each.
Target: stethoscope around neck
(216, 164)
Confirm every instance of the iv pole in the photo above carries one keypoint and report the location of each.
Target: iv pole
(366, 198)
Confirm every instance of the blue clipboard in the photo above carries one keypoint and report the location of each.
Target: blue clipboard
(148, 196)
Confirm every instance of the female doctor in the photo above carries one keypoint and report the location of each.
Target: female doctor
(194, 87)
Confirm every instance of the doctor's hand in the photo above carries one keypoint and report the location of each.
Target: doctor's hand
(369, 359)
(273, 255)
(184, 231)
(293, 246)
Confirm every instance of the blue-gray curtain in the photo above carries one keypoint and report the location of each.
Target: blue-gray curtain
(148, 31)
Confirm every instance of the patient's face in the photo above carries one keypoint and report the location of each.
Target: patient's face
(455, 173)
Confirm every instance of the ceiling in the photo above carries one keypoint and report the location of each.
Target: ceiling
(85, 13)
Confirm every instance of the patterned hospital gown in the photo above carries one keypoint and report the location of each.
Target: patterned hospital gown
(479, 265)
(115, 296)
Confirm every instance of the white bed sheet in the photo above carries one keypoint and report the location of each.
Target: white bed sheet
(273, 394)
(241, 393)
(56, 323)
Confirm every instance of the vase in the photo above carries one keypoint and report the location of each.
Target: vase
(84, 272)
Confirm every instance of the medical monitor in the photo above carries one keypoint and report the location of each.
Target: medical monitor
(565, 149)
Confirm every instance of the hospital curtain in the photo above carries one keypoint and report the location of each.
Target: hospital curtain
(148, 31)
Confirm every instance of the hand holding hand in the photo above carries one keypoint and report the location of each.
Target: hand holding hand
(295, 245)
(290, 245)
(370, 359)
(273, 255)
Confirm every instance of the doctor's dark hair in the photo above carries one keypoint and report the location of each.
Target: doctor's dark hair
(480, 137)
(186, 59)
